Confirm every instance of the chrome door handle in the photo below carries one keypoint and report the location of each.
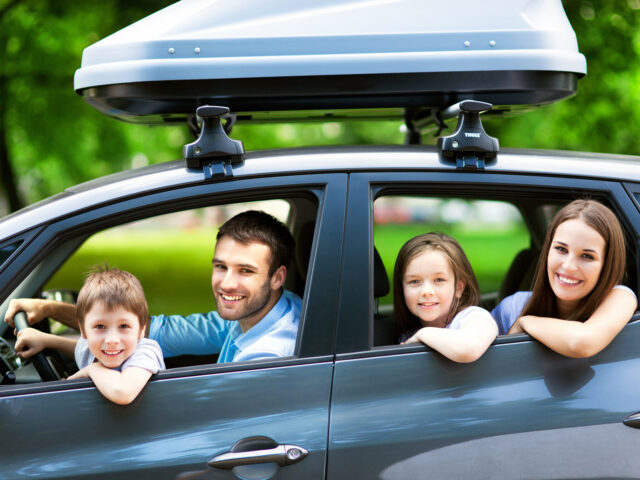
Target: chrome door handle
(281, 454)
(632, 420)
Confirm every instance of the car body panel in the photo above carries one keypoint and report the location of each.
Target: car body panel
(172, 429)
(519, 411)
(321, 160)
(385, 412)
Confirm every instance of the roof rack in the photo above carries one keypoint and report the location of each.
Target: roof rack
(469, 145)
(213, 151)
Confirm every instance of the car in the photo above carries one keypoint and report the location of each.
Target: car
(351, 402)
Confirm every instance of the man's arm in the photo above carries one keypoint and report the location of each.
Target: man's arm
(37, 310)
(196, 334)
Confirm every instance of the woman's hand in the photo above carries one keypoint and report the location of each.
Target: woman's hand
(517, 327)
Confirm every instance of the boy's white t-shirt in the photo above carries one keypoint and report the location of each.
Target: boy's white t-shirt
(148, 355)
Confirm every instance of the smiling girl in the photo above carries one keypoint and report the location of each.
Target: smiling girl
(435, 293)
(577, 305)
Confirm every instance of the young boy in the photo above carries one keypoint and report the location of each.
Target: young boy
(112, 314)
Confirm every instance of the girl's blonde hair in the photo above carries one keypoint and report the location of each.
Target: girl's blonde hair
(543, 301)
(407, 322)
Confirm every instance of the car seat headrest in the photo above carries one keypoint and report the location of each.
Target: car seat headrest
(380, 278)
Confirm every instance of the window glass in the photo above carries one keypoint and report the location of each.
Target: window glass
(170, 254)
(490, 232)
(7, 250)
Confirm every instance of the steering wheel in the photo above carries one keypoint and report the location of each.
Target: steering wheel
(39, 360)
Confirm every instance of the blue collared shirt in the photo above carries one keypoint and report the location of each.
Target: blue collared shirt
(203, 334)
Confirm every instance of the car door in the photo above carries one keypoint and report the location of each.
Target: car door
(261, 419)
(520, 411)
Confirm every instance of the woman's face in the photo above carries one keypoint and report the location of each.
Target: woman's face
(574, 263)
(429, 287)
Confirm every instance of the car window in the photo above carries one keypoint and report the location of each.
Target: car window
(7, 250)
(170, 254)
(492, 233)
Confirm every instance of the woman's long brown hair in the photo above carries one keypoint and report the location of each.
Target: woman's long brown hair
(543, 302)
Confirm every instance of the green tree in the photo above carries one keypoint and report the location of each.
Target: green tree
(51, 139)
(603, 116)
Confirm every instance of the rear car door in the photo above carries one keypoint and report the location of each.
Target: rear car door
(186, 417)
(520, 411)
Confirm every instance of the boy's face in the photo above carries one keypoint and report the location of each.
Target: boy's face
(112, 335)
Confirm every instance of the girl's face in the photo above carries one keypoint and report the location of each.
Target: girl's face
(429, 288)
(574, 263)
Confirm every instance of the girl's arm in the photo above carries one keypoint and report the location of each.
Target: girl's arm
(582, 340)
(31, 341)
(463, 345)
(119, 387)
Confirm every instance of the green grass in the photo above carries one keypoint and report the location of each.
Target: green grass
(175, 268)
(489, 251)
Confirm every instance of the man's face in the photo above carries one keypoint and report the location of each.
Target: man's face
(241, 283)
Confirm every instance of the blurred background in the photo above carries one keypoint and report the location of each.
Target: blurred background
(50, 139)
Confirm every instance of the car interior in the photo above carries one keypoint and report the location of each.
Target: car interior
(60, 275)
(300, 214)
(535, 215)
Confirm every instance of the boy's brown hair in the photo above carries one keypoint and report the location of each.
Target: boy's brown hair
(114, 288)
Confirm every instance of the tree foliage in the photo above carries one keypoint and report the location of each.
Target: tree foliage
(53, 139)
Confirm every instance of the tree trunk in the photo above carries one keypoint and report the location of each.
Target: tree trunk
(8, 183)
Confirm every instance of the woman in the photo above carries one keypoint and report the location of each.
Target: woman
(577, 305)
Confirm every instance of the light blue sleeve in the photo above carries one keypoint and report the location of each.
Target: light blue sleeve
(508, 310)
(196, 334)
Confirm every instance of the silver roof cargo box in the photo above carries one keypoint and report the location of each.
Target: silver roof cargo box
(289, 58)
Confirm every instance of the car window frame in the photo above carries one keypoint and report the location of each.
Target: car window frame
(357, 314)
(315, 340)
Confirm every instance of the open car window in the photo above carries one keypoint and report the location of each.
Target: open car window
(492, 233)
(171, 256)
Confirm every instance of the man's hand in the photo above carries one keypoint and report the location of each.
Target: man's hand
(30, 342)
(35, 309)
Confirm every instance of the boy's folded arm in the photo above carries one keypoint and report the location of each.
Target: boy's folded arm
(119, 387)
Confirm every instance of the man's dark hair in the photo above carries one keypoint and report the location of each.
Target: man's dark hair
(257, 226)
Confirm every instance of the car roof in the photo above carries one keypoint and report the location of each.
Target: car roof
(132, 183)
(286, 55)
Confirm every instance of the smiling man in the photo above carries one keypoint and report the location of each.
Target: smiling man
(256, 317)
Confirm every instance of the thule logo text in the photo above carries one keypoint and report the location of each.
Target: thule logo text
(474, 135)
